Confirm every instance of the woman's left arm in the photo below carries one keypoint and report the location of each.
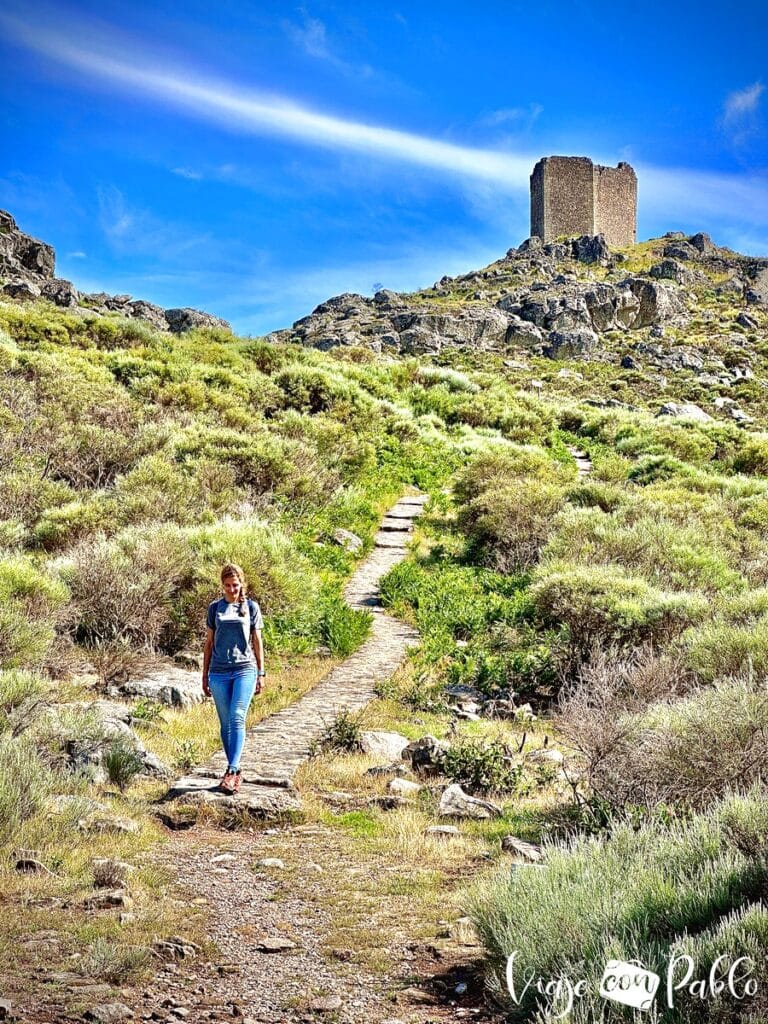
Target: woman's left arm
(258, 650)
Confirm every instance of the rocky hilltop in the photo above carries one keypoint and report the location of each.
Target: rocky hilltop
(27, 271)
(569, 299)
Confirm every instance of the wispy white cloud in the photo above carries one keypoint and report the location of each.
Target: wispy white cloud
(517, 116)
(115, 219)
(740, 118)
(311, 36)
(187, 172)
(231, 105)
(79, 255)
(130, 229)
(688, 195)
(670, 191)
(742, 103)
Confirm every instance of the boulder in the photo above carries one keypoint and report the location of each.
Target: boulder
(175, 947)
(670, 270)
(680, 250)
(22, 290)
(570, 344)
(154, 315)
(545, 754)
(347, 540)
(657, 302)
(425, 754)
(455, 803)
(386, 299)
(180, 320)
(590, 249)
(168, 684)
(528, 851)
(703, 244)
(602, 303)
(757, 290)
(464, 932)
(61, 292)
(533, 244)
(385, 745)
(21, 255)
(105, 823)
(557, 250)
(109, 1013)
(275, 944)
(442, 831)
(732, 286)
(687, 409)
(521, 332)
(745, 319)
(108, 898)
(404, 787)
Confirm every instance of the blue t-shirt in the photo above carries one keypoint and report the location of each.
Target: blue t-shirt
(232, 633)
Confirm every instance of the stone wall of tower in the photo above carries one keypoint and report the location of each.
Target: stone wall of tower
(616, 204)
(572, 196)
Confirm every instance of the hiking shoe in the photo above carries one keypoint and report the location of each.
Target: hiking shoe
(238, 781)
(227, 784)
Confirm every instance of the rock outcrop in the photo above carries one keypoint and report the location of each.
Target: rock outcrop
(555, 300)
(27, 268)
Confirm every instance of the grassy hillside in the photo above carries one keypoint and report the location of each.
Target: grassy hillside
(628, 609)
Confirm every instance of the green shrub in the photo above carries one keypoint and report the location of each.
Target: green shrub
(187, 754)
(115, 963)
(686, 753)
(25, 782)
(596, 494)
(501, 464)
(509, 525)
(122, 763)
(753, 457)
(481, 766)
(23, 696)
(452, 379)
(720, 648)
(25, 497)
(638, 894)
(30, 605)
(665, 552)
(67, 524)
(650, 468)
(343, 629)
(606, 604)
(123, 589)
(343, 733)
(258, 459)
(313, 390)
(147, 712)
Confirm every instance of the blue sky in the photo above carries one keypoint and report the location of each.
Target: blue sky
(254, 159)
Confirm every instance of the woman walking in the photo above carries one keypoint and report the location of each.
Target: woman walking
(233, 665)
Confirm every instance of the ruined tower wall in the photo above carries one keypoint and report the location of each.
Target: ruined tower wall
(572, 196)
(616, 204)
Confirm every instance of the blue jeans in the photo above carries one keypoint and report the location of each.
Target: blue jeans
(232, 692)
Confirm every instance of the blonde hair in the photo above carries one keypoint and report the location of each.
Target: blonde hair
(232, 569)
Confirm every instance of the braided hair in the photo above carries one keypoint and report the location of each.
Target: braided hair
(229, 570)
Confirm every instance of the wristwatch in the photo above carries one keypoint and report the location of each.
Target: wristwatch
(261, 673)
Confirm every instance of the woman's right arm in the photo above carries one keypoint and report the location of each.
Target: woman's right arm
(207, 650)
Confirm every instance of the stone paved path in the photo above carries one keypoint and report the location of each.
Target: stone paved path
(583, 461)
(279, 744)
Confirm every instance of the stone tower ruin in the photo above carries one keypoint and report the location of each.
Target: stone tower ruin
(572, 196)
